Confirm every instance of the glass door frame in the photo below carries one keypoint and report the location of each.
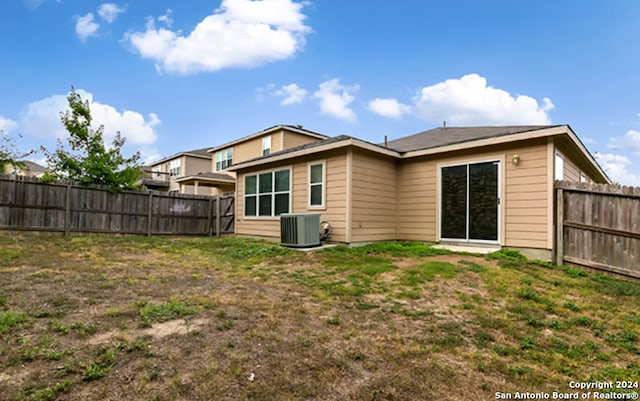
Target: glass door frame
(466, 162)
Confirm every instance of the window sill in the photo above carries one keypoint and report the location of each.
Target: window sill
(267, 218)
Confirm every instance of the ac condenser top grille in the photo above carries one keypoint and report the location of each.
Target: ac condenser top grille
(300, 230)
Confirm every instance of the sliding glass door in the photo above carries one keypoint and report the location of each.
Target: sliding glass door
(470, 201)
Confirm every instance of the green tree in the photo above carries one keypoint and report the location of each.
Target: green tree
(89, 161)
(10, 155)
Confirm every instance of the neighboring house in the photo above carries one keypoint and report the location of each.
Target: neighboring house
(470, 185)
(218, 176)
(165, 174)
(30, 169)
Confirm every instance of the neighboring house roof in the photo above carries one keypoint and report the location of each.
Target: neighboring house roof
(294, 128)
(453, 135)
(212, 177)
(201, 153)
(34, 167)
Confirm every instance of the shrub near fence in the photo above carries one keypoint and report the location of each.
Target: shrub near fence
(27, 204)
(598, 226)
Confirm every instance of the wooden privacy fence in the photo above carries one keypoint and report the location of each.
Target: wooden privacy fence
(27, 204)
(598, 226)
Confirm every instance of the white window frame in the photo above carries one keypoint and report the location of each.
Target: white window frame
(322, 184)
(266, 145)
(224, 159)
(175, 167)
(273, 193)
(558, 171)
(583, 177)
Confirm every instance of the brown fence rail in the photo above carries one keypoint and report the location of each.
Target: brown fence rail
(598, 226)
(27, 204)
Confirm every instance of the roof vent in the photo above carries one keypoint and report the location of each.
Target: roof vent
(444, 124)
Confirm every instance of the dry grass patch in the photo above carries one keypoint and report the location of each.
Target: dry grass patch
(199, 318)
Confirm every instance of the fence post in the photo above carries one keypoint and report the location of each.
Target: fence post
(559, 254)
(149, 214)
(210, 217)
(218, 212)
(67, 210)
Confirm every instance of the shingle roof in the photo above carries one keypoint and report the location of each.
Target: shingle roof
(452, 135)
(34, 167)
(195, 152)
(209, 176)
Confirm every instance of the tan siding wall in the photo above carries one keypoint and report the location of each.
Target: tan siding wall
(334, 212)
(571, 171)
(196, 165)
(524, 214)
(252, 148)
(417, 200)
(526, 195)
(374, 198)
(293, 139)
(193, 166)
(247, 150)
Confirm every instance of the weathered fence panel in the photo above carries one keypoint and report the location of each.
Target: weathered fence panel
(598, 226)
(27, 204)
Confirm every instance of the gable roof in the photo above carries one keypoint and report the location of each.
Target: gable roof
(201, 153)
(439, 140)
(293, 128)
(444, 136)
(34, 167)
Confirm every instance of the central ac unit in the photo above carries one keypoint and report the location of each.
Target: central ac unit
(300, 230)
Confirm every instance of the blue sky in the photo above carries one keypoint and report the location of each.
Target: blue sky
(173, 76)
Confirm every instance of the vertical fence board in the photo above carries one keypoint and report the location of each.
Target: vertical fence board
(598, 226)
(27, 204)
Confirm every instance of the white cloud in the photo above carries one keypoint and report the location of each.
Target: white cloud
(630, 142)
(335, 99)
(109, 11)
(86, 26)
(33, 4)
(166, 18)
(241, 33)
(389, 108)
(617, 168)
(292, 94)
(42, 119)
(7, 125)
(469, 101)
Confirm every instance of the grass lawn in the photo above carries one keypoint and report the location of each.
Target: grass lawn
(164, 318)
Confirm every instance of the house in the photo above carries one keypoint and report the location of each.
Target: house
(27, 168)
(165, 174)
(460, 185)
(218, 178)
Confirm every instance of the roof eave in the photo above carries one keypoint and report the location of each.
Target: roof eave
(321, 148)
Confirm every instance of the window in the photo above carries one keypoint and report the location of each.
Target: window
(583, 177)
(316, 185)
(174, 167)
(266, 145)
(470, 201)
(224, 159)
(267, 194)
(559, 168)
